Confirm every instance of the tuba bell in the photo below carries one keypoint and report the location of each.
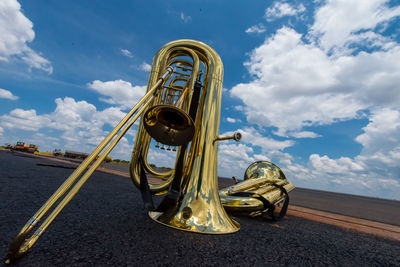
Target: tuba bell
(180, 110)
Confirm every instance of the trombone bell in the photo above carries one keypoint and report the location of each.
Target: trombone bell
(169, 125)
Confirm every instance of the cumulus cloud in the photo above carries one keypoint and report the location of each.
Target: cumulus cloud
(233, 159)
(145, 67)
(126, 53)
(309, 87)
(351, 22)
(293, 86)
(259, 28)
(342, 69)
(232, 120)
(16, 31)
(80, 124)
(281, 9)
(381, 141)
(253, 137)
(118, 92)
(7, 94)
(21, 119)
(304, 134)
(161, 158)
(338, 166)
(80, 120)
(374, 172)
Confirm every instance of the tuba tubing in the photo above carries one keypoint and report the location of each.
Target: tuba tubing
(192, 72)
(199, 208)
(249, 204)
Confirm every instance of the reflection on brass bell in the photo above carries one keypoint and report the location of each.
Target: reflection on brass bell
(169, 125)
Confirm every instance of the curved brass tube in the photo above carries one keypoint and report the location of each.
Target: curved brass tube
(184, 91)
(199, 208)
(259, 178)
(22, 242)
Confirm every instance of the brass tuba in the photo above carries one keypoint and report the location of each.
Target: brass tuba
(180, 110)
(192, 200)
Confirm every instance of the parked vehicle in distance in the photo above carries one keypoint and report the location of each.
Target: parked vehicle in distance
(57, 152)
(8, 146)
(20, 146)
(75, 155)
(31, 148)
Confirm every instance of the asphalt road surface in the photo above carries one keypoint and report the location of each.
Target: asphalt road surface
(375, 209)
(106, 224)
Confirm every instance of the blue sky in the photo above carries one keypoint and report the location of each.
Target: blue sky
(312, 86)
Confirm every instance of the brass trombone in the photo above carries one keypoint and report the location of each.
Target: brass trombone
(181, 109)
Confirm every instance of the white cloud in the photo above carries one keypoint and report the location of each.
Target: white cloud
(21, 119)
(259, 28)
(70, 114)
(338, 24)
(185, 18)
(293, 86)
(374, 172)
(304, 134)
(161, 158)
(79, 124)
(36, 61)
(381, 142)
(338, 166)
(233, 159)
(232, 120)
(82, 125)
(253, 137)
(122, 150)
(118, 92)
(348, 69)
(281, 9)
(15, 34)
(352, 176)
(1, 131)
(126, 53)
(297, 84)
(145, 67)
(7, 94)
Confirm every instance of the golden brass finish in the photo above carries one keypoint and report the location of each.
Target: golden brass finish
(23, 242)
(264, 169)
(236, 136)
(181, 109)
(199, 208)
(258, 180)
(169, 125)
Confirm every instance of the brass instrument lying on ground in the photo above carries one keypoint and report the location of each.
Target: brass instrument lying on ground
(261, 191)
(181, 109)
